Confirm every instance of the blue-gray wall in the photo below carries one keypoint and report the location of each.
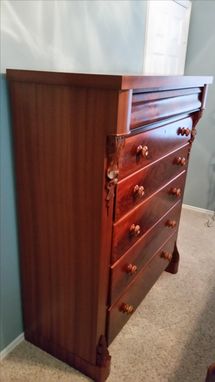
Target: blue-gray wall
(95, 36)
(200, 186)
(10, 303)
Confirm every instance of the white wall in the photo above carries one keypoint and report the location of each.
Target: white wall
(80, 36)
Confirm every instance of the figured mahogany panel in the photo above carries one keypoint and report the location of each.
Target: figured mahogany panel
(158, 142)
(130, 264)
(143, 112)
(136, 188)
(132, 226)
(140, 97)
(120, 312)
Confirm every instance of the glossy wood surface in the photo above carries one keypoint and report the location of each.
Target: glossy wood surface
(129, 192)
(160, 141)
(145, 216)
(107, 81)
(139, 97)
(210, 377)
(141, 252)
(77, 156)
(135, 292)
(64, 228)
(143, 112)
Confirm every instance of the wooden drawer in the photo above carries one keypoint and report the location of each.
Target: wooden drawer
(144, 216)
(159, 141)
(138, 289)
(150, 107)
(132, 190)
(123, 271)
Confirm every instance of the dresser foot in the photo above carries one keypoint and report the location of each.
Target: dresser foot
(211, 373)
(98, 371)
(174, 264)
(103, 359)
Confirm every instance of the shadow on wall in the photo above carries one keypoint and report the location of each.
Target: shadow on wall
(10, 301)
(211, 181)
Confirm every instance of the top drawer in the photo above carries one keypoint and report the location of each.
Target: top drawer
(144, 148)
(152, 107)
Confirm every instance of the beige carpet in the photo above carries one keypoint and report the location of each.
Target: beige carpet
(171, 336)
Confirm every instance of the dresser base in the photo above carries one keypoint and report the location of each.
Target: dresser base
(174, 264)
(98, 372)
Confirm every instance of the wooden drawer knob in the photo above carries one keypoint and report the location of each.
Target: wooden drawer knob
(126, 308)
(175, 191)
(143, 150)
(166, 255)
(135, 230)
(139, 191)
(131, 268)
(171, 223)
(183, 131)
(181, 161)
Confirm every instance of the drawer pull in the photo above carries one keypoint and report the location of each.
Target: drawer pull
(143, 150)
(131, 269)
(135, 230)
(171, 223)
(175, 191)
(126, 308)
(166, 255)
(181, 161)
(183, 131)
(139, 191)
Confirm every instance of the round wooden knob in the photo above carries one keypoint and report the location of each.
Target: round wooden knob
(143, 150)
(135, 230)
(171, 223)
(181, 161)
(183, 131)
(166, 255)
(175, 191)
(139, 191)
(126, 308)
(187, 132)
(131, 268)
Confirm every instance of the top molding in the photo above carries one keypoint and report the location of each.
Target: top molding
(106, 81)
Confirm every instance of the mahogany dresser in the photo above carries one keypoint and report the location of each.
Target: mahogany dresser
(101, 163)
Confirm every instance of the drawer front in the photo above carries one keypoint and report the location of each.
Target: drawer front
(145, 110)
(155, 143)
(119, 313)
(125, 270)
(132, 190)
(132, 226)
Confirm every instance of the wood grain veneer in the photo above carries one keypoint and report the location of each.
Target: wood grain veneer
(142, 251)
(160, 141)
(74, 138)
(145, 216)
(150, 177)
(140, 286)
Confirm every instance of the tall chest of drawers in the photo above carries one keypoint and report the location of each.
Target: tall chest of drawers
(101, 164)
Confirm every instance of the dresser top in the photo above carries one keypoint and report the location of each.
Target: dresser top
(107, 81)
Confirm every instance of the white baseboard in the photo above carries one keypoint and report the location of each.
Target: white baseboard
(197, 209)
(11, 346)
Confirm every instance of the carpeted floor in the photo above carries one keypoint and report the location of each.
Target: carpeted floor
(170, 337)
